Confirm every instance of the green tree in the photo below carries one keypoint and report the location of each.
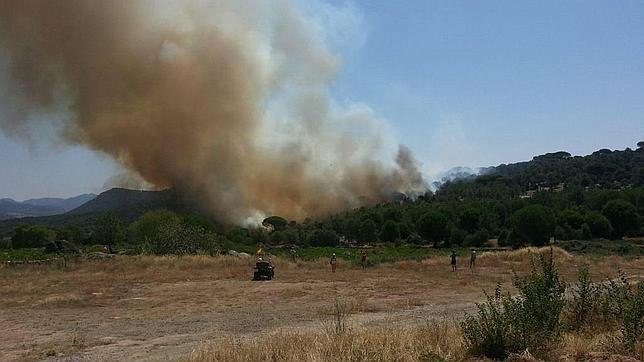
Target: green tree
(532, 224)
(351, 228)
(278, 237)
(72, 233)
(586, 233)
(432, 226)
(405, 230)
(109, 229)
(470, 219)
(153, 225)
(392, 213)
(622, 216)
(323, 237)
(457, 236)
(25, 236)
(599, 225)
(390, 231)
(367, 233)
(571, 218)
(276, 222)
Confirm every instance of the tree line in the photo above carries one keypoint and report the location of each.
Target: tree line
(597, 196)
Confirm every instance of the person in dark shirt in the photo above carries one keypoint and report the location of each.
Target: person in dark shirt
(453, 262)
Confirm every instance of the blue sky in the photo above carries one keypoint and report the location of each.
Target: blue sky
(462, 83)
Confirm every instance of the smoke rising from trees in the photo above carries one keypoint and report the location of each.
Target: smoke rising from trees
(226, 101)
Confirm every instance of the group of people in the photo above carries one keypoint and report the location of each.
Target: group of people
(453, 258)
(364, 260)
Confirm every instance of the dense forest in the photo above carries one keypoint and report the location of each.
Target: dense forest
(554, 195)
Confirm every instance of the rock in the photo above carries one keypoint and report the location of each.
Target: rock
(243, 255)
(233, 253)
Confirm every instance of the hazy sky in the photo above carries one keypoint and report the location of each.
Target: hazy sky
(462, 83)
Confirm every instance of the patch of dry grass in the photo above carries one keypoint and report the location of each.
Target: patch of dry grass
(214, 299)
(435, 341)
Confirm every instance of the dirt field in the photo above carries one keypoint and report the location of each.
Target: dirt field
(163, 308)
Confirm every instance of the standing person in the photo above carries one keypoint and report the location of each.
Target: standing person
(293, 254)
(364, 260)
(453, 262)
(260, 250)
(472, 259)
(333, 262)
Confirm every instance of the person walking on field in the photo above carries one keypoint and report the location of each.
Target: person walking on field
(364, 260)
(453, 262)
(333, 262)
(472, 259)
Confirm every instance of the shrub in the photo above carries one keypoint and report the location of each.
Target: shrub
(109, 229)
(585, 301)
(180, 240)
(632, 326)
(31, 236)
(154, 225)
(531, 321)
(477, 239)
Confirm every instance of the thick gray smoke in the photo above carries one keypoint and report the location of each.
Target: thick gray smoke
(226, 101)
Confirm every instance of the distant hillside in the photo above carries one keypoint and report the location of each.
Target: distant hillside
(67, 204)
(603, 168)
(12, 209)
(128, 203)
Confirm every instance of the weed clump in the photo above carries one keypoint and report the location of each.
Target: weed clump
(530, 321)
(614, 304)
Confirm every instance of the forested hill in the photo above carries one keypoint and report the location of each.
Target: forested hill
(554, 195)
(603, 169)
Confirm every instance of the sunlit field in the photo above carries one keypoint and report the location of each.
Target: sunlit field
(207, 308)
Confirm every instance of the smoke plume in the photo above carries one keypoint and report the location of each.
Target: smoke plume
(226, 101)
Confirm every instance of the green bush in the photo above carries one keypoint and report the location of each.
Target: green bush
(585, 302)
(531, 320)
(632, 324)
(154, 225)
(109, 229)
(25, 236)
(180, 240)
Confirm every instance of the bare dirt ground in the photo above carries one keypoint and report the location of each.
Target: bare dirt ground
(162, 308)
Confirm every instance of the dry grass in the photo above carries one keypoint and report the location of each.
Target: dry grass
(435, 341)
(162, 307)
